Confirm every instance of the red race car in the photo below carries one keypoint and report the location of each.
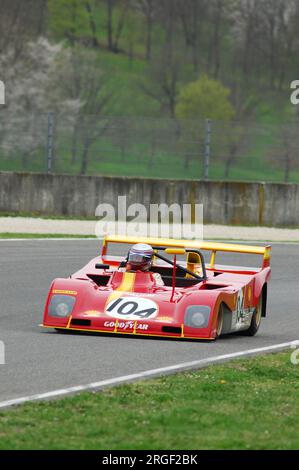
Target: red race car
(194, 300)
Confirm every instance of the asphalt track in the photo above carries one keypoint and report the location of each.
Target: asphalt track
(38, 360)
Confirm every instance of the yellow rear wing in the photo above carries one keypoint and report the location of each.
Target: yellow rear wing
(199, 245)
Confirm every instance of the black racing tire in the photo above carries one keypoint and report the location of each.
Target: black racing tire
(256, 319)
(219, 324)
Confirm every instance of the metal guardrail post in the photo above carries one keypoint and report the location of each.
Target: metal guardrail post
(207, 148)
(50, 138)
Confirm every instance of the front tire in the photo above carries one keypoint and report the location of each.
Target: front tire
(256, 319)
(219, 324)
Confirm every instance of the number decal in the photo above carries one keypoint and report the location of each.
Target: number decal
(240, 305)
(132, 308)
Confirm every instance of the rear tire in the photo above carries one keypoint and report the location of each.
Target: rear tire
(256, 319)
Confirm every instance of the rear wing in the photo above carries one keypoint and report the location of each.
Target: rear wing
(264, 251)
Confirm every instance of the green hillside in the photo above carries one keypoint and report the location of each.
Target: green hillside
(143, 86)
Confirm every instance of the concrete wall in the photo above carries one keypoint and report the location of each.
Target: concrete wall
(224, 202)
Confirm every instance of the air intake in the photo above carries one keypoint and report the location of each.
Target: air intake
(78, 322)
(172, 329)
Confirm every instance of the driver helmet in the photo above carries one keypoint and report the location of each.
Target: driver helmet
(140, 257)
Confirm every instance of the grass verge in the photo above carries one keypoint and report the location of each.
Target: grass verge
(20, 236)
(42, 235)
(245, 404)
(37, 215)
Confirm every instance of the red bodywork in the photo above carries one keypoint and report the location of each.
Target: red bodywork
(111, 300)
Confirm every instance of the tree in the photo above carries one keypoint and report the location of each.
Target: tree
(192, 14)
(247, 30)
(83, 81)
(163, 76)
(115, 22)
(132, 37)
(89, 6)
(284, 154)
(230, 141)
(20, 22)
(287, 57)
(204, 98)
(148, 9)
(29, 94)
(68, 18)
(218, 10)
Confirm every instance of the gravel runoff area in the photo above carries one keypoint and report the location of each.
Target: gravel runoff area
(87, 227)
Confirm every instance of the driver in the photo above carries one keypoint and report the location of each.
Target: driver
(140, 258)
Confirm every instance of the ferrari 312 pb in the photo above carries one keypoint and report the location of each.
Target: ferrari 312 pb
(195, 300)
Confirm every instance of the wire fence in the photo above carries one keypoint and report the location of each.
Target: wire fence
(149, 147)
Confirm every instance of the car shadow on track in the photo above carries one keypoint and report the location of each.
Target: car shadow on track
(225, 338)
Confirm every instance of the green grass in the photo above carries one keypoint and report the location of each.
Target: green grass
(246, 404)
(42, 235)
(107, 156)
(38, 215)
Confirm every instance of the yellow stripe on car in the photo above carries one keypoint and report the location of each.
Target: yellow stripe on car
(126, 285)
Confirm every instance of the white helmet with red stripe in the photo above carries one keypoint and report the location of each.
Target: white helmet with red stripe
(140, 257)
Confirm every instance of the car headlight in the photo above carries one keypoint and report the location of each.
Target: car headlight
(197, 316)
(61, 305)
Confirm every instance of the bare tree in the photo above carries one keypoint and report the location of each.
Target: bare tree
(218, 10)
(83, 81)
(272, 14)
(115, 24)
(29, 93)
(92, 23)
(284, 153)
(163, 77)
(149, 9)
(234, 145)
(289, 18)
(165, 71)
(168, 19)
(20, 22)
(264, 34)
(192, 14)
(245, 30)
